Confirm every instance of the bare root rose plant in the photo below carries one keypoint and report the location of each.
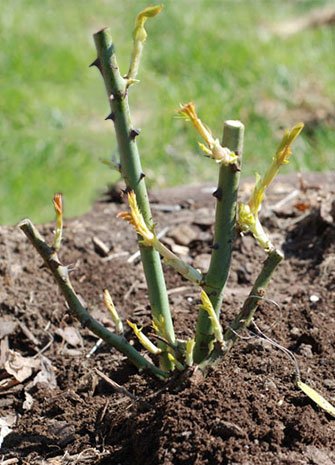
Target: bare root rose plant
(210, 342)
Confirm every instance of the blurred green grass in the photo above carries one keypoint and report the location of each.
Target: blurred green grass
(220, 54)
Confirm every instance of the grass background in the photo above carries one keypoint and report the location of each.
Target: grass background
(221, 54)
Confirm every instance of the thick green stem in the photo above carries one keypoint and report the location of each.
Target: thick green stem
(244, 318)
(61, 276)
(225, 222)
(132, 173)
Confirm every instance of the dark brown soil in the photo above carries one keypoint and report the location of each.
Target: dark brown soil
(247, 410)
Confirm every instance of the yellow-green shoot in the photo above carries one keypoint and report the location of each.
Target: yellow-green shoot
(139, 38)
(58, 206)
(248, 212)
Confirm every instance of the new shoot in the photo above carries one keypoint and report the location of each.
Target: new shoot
(248, 213)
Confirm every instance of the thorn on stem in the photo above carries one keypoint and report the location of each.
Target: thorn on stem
(111, 116)
(235, 167)
(127, 190)
(218, 193)
(215, 246)
(85, 321)
(96, 63)
(134, 133)
(142, 175)
(212, 294)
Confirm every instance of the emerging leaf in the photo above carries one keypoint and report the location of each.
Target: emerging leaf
(249, 222)
(109, 304)
(213, 148)
(176, 362)
(284, 150)
(281, 157)
(58, 205)
(206, 305)
(189, 352)
(140, 33)
(317, 398)
(247, 216)
(139, 37)
(149, 239)
(135, 218)
(144, 340)
(158, 326)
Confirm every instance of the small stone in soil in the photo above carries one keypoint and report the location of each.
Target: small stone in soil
(201, 261)
(183, 234)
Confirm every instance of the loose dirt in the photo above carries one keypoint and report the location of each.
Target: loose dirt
(247, 410)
